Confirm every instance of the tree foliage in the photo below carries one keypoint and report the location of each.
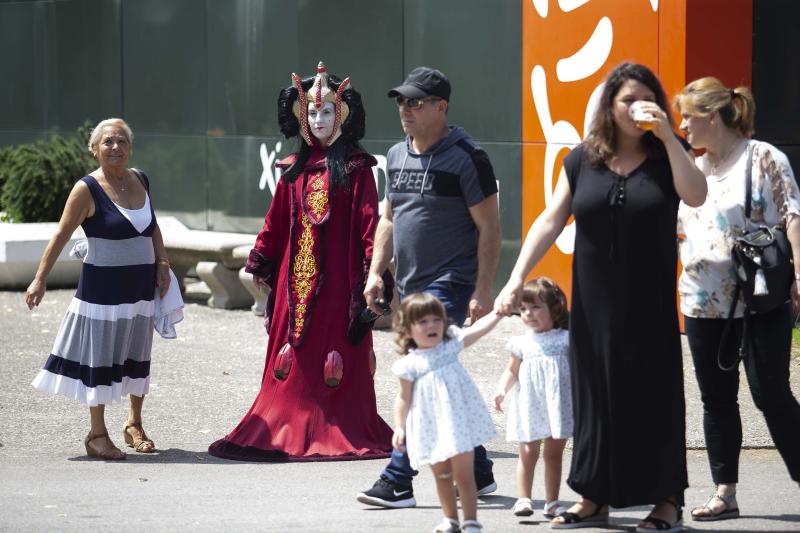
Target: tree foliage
(36, 178)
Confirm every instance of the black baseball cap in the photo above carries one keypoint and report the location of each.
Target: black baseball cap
(421, 82)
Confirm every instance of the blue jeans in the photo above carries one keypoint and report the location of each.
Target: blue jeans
(455, 297)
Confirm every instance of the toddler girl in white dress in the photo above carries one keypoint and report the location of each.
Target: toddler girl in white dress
(440, 415)
(541, 396)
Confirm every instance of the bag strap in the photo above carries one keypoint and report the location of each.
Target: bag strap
(723, 342)
(748, 197)
(748, 183)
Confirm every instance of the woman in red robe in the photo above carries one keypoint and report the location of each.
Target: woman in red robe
(317, 397)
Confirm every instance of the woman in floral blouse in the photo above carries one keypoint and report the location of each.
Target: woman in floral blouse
(720, 120)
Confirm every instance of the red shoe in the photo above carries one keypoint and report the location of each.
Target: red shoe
(283, 363)
(334, 368)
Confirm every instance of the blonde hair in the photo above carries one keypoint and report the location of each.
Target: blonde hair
(546, 291)
(736, 107)
(413, 308)
(97, 132)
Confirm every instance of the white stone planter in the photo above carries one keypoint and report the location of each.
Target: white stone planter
(21, 249)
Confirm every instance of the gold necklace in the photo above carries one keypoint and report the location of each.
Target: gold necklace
(112, 181)
(721, 160)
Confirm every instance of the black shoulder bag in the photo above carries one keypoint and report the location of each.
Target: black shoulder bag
(764, 272)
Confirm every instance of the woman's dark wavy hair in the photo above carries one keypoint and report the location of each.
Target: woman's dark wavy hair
(601, 143)
(352, 130)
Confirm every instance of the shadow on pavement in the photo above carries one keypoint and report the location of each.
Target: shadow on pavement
(166, 456)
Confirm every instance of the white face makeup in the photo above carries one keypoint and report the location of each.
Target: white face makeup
(320, 121)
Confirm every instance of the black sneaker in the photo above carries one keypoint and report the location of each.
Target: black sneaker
(485, 483)
(386, 493)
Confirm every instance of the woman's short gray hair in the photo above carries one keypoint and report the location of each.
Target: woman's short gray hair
(94, 138)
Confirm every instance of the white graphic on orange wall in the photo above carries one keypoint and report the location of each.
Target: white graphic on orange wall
(561, 134)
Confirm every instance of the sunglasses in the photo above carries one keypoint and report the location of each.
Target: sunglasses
(414, 103)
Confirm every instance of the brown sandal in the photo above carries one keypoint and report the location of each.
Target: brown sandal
(109, 455)
(141, 444)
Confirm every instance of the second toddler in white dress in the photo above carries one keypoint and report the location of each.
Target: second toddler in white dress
(538, 379)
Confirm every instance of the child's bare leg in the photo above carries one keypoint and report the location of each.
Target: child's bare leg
(464, 475)
(552, 453)
(528, 455)
(443, 474)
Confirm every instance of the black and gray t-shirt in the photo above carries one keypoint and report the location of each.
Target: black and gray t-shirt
(435, 238)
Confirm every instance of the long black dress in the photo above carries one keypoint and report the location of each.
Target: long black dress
(625, 352)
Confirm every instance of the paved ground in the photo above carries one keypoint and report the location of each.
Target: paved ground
(203, 382)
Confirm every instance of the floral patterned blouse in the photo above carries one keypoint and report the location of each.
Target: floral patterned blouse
(706, 233)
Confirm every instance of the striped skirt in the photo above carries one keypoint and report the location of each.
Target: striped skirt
(102, 350)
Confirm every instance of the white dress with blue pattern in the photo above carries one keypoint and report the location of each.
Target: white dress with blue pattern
(540, 404)
(448, 415)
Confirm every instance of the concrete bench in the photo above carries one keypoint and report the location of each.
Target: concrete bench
(258, 294)
(21, 249)
(210, 253)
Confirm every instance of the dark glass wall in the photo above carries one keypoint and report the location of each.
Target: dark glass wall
(776, 75)
(198, 80)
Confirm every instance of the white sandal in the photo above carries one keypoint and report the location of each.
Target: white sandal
(552, 509)
(471, 526)
(523, 507)
(730, 509)
(447, 525)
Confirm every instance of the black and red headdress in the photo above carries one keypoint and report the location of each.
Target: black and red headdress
(293, 104)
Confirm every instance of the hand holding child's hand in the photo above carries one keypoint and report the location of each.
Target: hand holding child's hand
(498, 401)
(508, 299)
(399, 440)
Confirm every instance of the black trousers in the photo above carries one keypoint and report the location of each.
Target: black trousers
(767, 368)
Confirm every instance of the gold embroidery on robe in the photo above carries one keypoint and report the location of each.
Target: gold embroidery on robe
(317, 199)
(305, 267)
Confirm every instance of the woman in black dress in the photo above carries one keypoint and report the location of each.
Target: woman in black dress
(623, 185)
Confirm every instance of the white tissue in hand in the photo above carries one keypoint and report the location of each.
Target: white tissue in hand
(80, 249)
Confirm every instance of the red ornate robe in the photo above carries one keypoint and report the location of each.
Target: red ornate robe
(314, 251)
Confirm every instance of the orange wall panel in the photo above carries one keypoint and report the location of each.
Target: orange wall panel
(569, 46)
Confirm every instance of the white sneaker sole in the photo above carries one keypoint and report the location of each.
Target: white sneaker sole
(488, 489)
(378, 502)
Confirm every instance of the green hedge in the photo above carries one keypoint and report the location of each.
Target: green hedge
(5, 154)
(36, 178)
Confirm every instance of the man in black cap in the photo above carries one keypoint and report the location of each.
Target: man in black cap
(442, 225)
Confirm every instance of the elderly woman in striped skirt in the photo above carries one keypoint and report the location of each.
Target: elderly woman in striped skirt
(102, 350)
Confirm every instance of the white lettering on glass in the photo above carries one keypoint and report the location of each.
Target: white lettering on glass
(270, 174)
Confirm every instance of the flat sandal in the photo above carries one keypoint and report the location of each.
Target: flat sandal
(661, 524)
(599, 518)
(731, 509)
